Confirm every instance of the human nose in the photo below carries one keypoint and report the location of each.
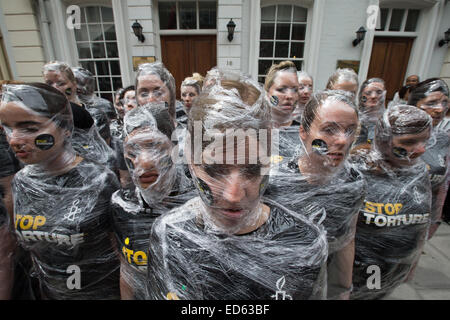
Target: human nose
(234, 189)
(146, 160)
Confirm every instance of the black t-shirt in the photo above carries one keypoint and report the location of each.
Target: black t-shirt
(288, 141)
(436, 157)
(366, 133)
(391, 227)
(65, 223)
(341, 198)
(283, 259)
(133, 219)
(82, 119)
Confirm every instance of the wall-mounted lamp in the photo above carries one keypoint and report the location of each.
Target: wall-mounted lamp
(230, 26)
(360, 35)
(137, 29)
(446, 38)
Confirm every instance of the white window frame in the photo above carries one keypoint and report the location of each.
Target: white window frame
(400, 33)
(312, 37)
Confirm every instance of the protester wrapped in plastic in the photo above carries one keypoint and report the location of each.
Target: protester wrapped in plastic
(305, 91)
(372, 98)
(432, 96)
(318, 177)
(85, 139)
(189, 90)
(344, 79)
(230, 243)
(159, 185)
(394, 220)
(85, 92)
(61, 201)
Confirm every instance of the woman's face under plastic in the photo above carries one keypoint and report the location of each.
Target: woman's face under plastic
(407, 148)
(372, 95)
(334, 127)
(285, 88)
(150, 88)
(436, 105)
(119, 107)
(188, 93)
(305, 90)
(147, 156)
(346, 86)
(58, 80)
(33, 139)
(129, 101)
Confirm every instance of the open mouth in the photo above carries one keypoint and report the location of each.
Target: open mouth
(335, 155)
(233, 213)
(22, 153)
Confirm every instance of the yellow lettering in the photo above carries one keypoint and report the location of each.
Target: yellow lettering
(39, 221)
(140, 258)
(128, 253)
(28, 225)
(369, 207)
(379, 206)
(398, 207)
(18, 217)
(389, 209)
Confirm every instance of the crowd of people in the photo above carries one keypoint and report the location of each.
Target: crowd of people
(239, 190)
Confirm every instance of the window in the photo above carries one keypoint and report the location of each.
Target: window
(187, 15)
(283, 32)
(97, 49)
(399, 20)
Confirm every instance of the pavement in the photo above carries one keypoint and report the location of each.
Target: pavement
(432, 277)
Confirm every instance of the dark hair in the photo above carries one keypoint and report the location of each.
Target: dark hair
(318, 99)
(423, 88)
(43, 99)
(129, 88)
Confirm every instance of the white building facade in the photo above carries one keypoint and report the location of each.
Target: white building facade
(192, 36)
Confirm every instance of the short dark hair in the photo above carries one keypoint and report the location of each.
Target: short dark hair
(430, 85)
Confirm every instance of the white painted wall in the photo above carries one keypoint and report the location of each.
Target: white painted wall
(229, 53)
(440, 54)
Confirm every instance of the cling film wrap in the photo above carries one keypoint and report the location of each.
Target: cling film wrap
(341, 79)
(283, 260)
(61, 201)
(7, 247)
(372, 100)
(86, 92)
(156, 74)
(305, 91)
(230, 242)
(394, 220)
(318, 177)
(159, 185)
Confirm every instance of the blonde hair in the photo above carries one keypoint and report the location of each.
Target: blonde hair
(275, 68)
(61, 67)
(195, 81)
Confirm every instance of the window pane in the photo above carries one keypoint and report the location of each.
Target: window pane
(84, 50)
(107, 96)
(107, 14)
(110, 32)
(283, 31)
(261, 80)
(297, 49)
(188, 15)
(208, 14)
(105, 84)
(102, 68)
(396, 19)
(83, 15)
(95, 32)
(266, 49)
(115, 68)
(117, 83)
(284, 13)
(167, 15)
(384, 15)
(267, 30)
(268, 13)
(298, 31)
(93, 14)
(263, 66)
(411, 22)
(111, 50)
(281, 49)
(98, 50)
(300, 14)
(81, 34)
(88, 65)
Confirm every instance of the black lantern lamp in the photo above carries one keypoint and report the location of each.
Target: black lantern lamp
(231, 26)
(360, 35)
(137, 29)
(446, 38)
